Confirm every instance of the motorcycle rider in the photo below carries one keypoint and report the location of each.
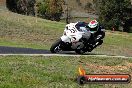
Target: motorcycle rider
(95, 30)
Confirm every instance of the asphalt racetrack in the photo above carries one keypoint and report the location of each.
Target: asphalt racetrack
(6, 51)
(16, 50)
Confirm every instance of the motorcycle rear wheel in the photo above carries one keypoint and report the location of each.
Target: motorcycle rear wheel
(79, 51)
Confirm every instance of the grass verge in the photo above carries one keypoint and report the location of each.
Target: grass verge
(58, 72)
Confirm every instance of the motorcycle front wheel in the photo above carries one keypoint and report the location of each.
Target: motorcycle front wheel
(56, 46)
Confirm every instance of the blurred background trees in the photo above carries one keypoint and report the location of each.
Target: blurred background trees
(48, 9)
(115, 14)
(25, 7)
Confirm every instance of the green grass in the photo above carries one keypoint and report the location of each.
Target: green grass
(55, 72)
(25, 31)
(76, 19)
(29, 32)
(117, 43)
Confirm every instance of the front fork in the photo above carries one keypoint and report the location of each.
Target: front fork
(65, 39)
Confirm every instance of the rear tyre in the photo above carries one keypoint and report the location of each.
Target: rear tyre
(79, 51)
(100, 42)
(56, 46)
(92, 47)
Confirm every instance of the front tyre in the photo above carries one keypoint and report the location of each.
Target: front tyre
(56, 46)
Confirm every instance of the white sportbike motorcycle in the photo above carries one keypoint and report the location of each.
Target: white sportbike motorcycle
(78, 39)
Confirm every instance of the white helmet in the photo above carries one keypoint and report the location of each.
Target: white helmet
(93, 24)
